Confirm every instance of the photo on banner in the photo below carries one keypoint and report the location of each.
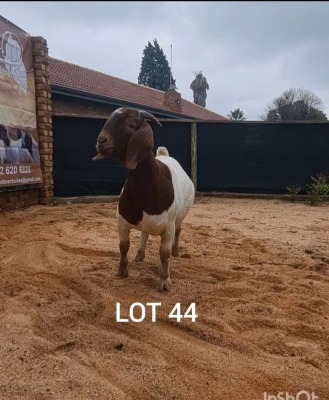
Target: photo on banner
(19, 144)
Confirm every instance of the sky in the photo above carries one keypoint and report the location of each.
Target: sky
(250, 52)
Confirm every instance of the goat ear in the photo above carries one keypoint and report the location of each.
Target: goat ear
(139, 146)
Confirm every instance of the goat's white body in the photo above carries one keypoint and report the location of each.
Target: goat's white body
(16, 143)
(183, 189)
(174, 216)
(35, 149)
(25, 157)
(155, 224)
(15, 155)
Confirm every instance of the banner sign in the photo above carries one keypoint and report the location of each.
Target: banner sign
(19, 150)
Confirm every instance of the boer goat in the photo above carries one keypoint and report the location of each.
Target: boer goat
(14, 153)
(157, 193)
(27, 141)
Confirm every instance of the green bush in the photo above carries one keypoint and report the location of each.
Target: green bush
(318, 189)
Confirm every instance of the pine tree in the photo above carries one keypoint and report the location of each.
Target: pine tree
(155, 70)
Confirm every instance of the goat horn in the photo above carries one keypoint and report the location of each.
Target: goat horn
(146, 115)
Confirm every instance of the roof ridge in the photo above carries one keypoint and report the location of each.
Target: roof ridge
(104, 73)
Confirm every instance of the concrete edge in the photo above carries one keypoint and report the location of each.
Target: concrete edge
(199, 195)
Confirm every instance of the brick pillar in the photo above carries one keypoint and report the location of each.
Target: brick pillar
(44, 116)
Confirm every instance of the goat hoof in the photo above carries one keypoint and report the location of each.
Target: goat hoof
(140, 256)
(165, 285)
(122, 272)
(175, 252)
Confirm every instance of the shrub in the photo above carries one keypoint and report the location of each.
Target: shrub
(319, 188)
(293, 192)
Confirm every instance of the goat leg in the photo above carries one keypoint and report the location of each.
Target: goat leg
(141, 249)
(165, 251)
(175, 247)
(124, 232)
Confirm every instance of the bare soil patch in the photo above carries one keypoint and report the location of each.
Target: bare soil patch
(258, 271)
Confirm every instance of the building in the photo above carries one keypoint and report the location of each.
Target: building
(82, 100)
(78, 91)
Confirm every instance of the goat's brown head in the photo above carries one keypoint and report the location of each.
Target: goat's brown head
(126, 136)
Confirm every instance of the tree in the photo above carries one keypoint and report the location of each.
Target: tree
(236, 115)
(155, 71)
(199, 86)
(295, 105)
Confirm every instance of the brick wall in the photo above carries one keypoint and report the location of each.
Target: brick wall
(18, 199)
(70, 106)
(10, 200)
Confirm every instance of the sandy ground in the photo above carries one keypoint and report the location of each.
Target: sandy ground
(257, 271)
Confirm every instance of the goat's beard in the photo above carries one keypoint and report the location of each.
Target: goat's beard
(98, 156)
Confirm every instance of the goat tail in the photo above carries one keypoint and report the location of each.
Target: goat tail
(162, 151)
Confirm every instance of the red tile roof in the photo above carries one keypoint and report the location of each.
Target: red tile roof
(71, 76)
